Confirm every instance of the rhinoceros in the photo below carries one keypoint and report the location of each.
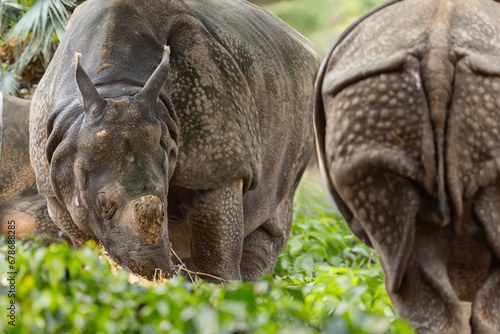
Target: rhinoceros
(22, 209)
(183, 124)
(408, 126)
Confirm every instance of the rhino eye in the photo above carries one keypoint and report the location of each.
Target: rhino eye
(106, 207)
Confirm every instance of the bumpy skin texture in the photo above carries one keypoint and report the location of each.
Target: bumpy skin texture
(222, 147)
(407, 119)
(19, 199)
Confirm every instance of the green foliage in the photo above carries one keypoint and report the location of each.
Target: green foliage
(349, 11)
(8, 81)
(305, 16)
(38, 30)
(326, 281)
(10, 11)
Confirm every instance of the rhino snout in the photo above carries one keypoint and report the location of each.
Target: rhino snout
(149, 214)
(152, 262)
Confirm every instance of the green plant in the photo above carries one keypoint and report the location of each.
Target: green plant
(325, 281)
(10, 11)
(321, 21)
(8, 81)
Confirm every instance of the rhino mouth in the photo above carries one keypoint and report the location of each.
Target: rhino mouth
(145, 261)
(250, 261)
(141, 270)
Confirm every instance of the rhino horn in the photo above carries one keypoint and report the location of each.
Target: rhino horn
(93, 103)
(149, 215)
(149, 93)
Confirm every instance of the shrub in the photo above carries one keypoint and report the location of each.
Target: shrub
(325, 281)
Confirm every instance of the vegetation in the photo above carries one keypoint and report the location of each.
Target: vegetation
(321, 20)
(30, 32)
(326, 281)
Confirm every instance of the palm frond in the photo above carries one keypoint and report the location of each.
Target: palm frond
(38, 31)
(10, 11)
(8, 81)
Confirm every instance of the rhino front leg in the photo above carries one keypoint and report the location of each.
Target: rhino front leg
(216, 221)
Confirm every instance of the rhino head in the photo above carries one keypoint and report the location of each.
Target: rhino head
(111, 171)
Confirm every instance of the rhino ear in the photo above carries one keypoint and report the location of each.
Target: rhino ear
(149, 93)
(93, 103)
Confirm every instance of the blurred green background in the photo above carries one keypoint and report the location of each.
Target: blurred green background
(320, 20)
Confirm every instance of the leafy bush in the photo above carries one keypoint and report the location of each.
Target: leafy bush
(325, 281)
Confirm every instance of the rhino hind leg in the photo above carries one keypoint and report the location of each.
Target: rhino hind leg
(413, 250)
(486, 306)
(428, 307)
(262, 247)
(426, 296)
(486, 303)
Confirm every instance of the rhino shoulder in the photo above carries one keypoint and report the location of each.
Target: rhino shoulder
(218, 119)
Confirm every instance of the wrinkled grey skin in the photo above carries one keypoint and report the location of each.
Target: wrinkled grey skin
(204, 155)
(20, 201)
(407, 121)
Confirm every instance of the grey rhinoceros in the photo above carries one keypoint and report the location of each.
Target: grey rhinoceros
(22, 208)
(408, 125)
(202, 150)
